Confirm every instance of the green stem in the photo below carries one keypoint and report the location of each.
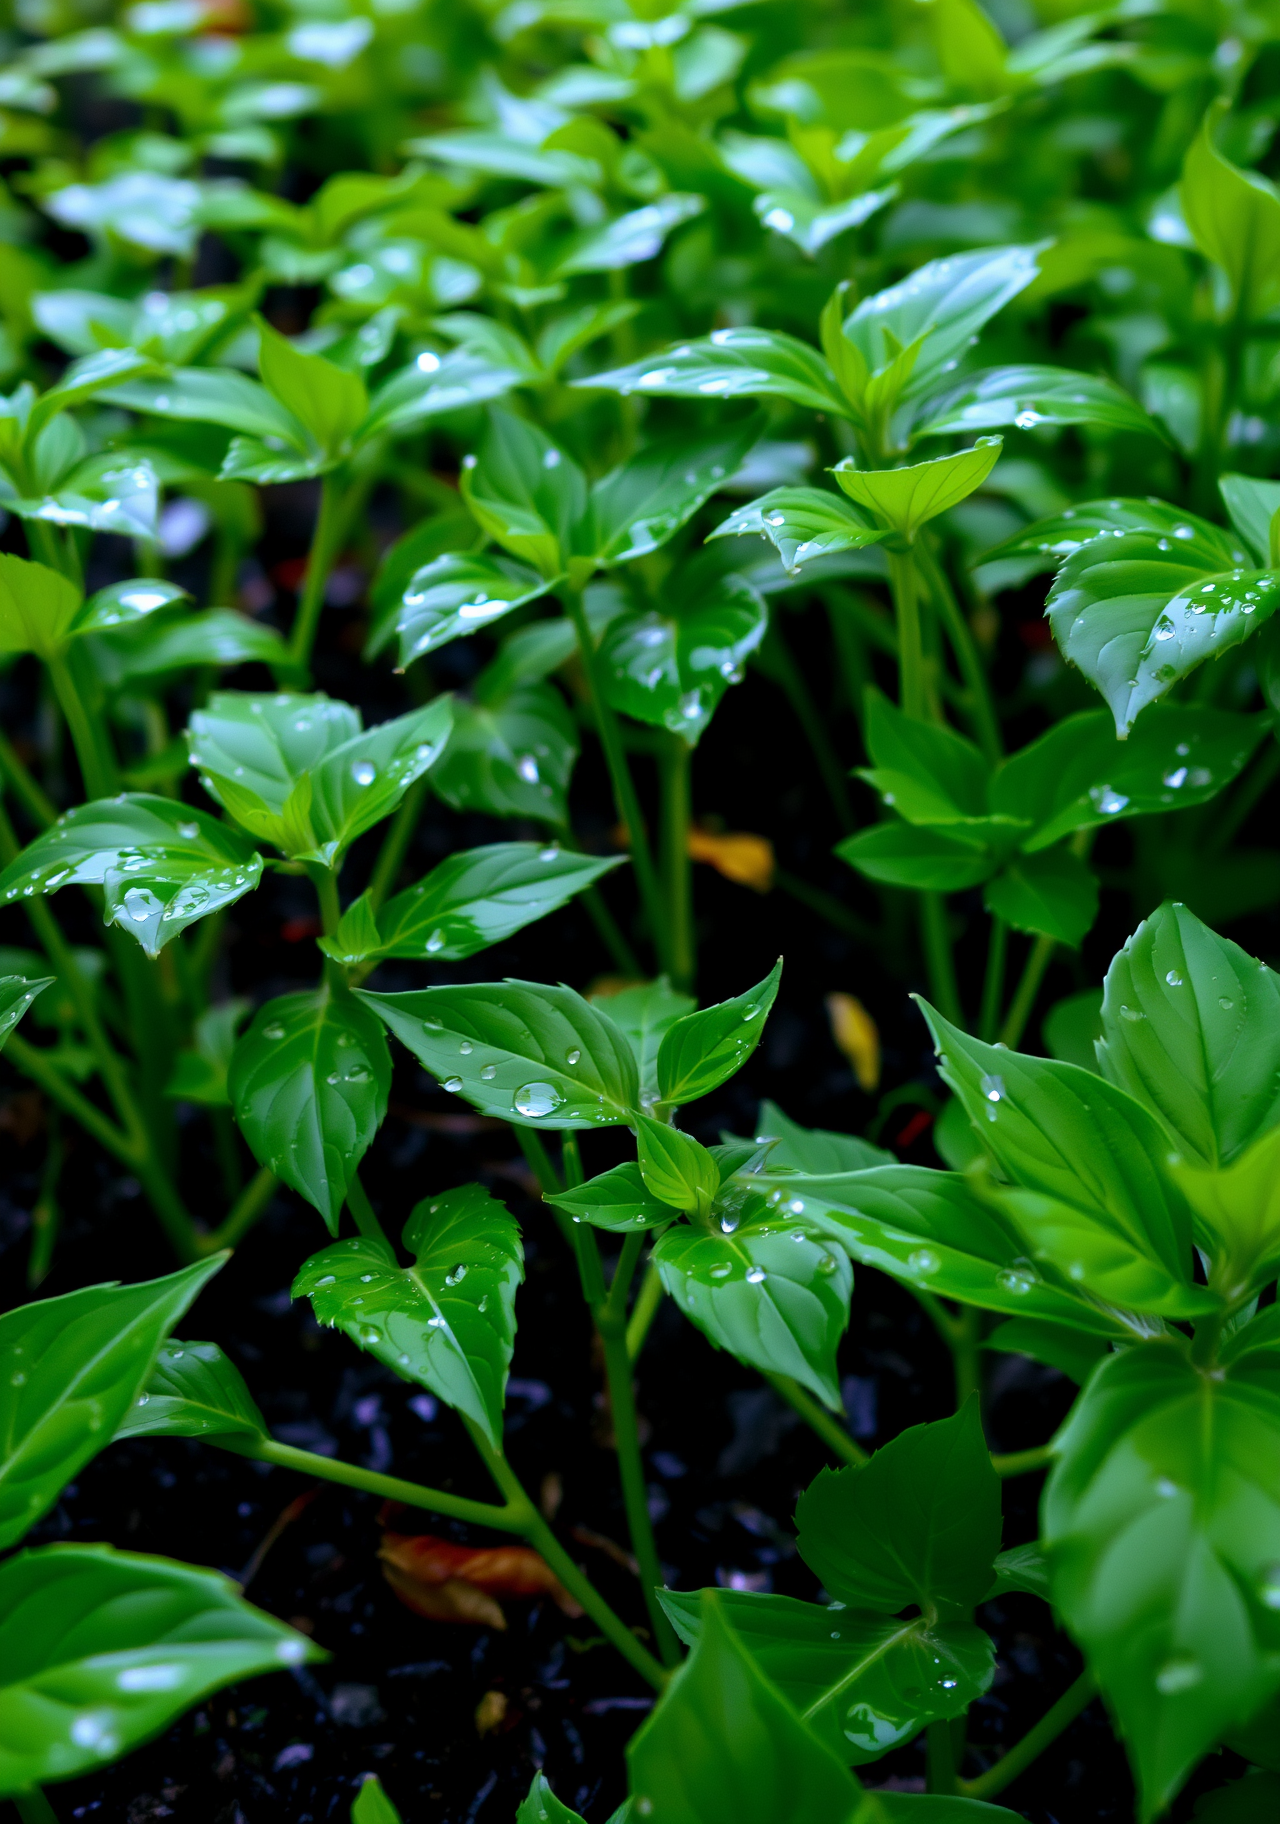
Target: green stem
(32, 1062)
(635, 1495)
(46, 1216)
(823, 1423)
(982, 715)
(623, 957)
(965, 1353)
(1028, 988)
(1226, 819)
(941, 1759)
(395, 843)
(826, 905)
(324, 548)
(675, 759)
(29, 793)
(363, 1213)
(244, 1212)
(96, 768)
(993, 983)
(644, 1310)
(1023, 1462)
(1033, 1743)
(938, 958)
(624, 791)
(34, 1807)
(541, 1537)
(778, 662)
(912, 693)
(391, 1488)
(325, 882)
(534, 1150)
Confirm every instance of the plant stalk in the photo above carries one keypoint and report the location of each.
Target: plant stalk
(324, 548)
(97, 769)
(644, 1310)
(1023, 1462)
(395, 844)
(940, 1758)
(939, 961)
(1033, 1743)
(675, 760)
(993, 982)
(778, 662)
(1028, 988)
(363, 1214)
(243, 1214)
(821, 1422)
(625, 799)
(903, 581)
(34, 1807)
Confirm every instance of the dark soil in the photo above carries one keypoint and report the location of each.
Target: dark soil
(725, 1459)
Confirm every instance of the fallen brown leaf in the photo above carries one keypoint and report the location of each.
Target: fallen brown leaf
(855, 1032)
(737, 854)
(448, 1582)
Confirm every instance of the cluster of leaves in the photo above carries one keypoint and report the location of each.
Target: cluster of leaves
(1012, 279)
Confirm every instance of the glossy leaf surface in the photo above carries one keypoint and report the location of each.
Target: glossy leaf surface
(864, 1683)
(1027, 396)
(193, 1391)
(701, 1050)
(102, 1650)
(447, 1322)
(800, 524)
(904, 499)
(16, 995)
(769, 1287)
(528, 1053)
(458, 594)
(37, 608)
(1191, 1028)
(511, 755)
(732, 363)
(672, 668)
(309, 1083)
(70, 1369)
(618, 1199)
(645, 1014)
(638, 507)
(472, 900)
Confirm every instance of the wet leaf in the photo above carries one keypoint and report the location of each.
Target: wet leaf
(672, 668)
(193, 1391)
(511, 755)
(458, 594)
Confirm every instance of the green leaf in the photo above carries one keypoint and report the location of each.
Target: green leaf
(1138, 612)
(617, 1200)
(447, 533)
(541, 1806)
(863, 1683)
(297, 771)
(103, 1650)
(903, 856)
(1115, 1223)
(628, 239)
(1238, 1211)
(939, 776)
(476, 898)
(309, 1083)
(215, 395)
(1027, 396)
(161, 865)
(645, 1014)
(1052, 893)
(800, 524)
(730, 364)
(526, 493)
(16, 995)
(947, 1232)
(1023, 1569)
(675, 1168)
(814, 1149)
(769, 1287)
(525, 1052)
(447, 1322)
(434, 384)
(456, 595)
(636, 508)
(672, 666)
(1077, 775)
(37, 608)
(120, 604)
(1234, 216)
(511, 755)
(1070, 1351)
(702, 1050)
(200, 1073)
(1191, 1028)
(1071, 1027)
(327, 401)
(142, 652)
(70, 1369)
(1245, 1801)
(920, 1523)
(104, 494)
(1060, 534)
(193, 1391)
(906, 498)
(1253, 505)
(947, 302)
(1160, 1520)
(371, 1804)
(725, 1747)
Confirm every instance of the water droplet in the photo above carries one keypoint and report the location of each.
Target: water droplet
(993, 1088)
(571, 1057)
(189, 831)
(1166, 1489)
(1225, 1004)
(1019, 1278)
(1109, 802)
(1132, 1013)
(755, 1275)
(273, 1031)
(456, 1276)
(1173, 978)
(947, 1684)
(489, 1072)
(18, 1380)
(535, 1100)
(720, 1270)
(453, 1085)
(364, 772)
(527, 767)
(1178, 1675)
(827, 1264)
(1269, 1587)
(327, 1280)
(729, 1222)
(466, 1048)
(1176, 777)
(923, 1260)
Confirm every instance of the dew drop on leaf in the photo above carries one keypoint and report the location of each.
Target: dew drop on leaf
(534, 1100)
